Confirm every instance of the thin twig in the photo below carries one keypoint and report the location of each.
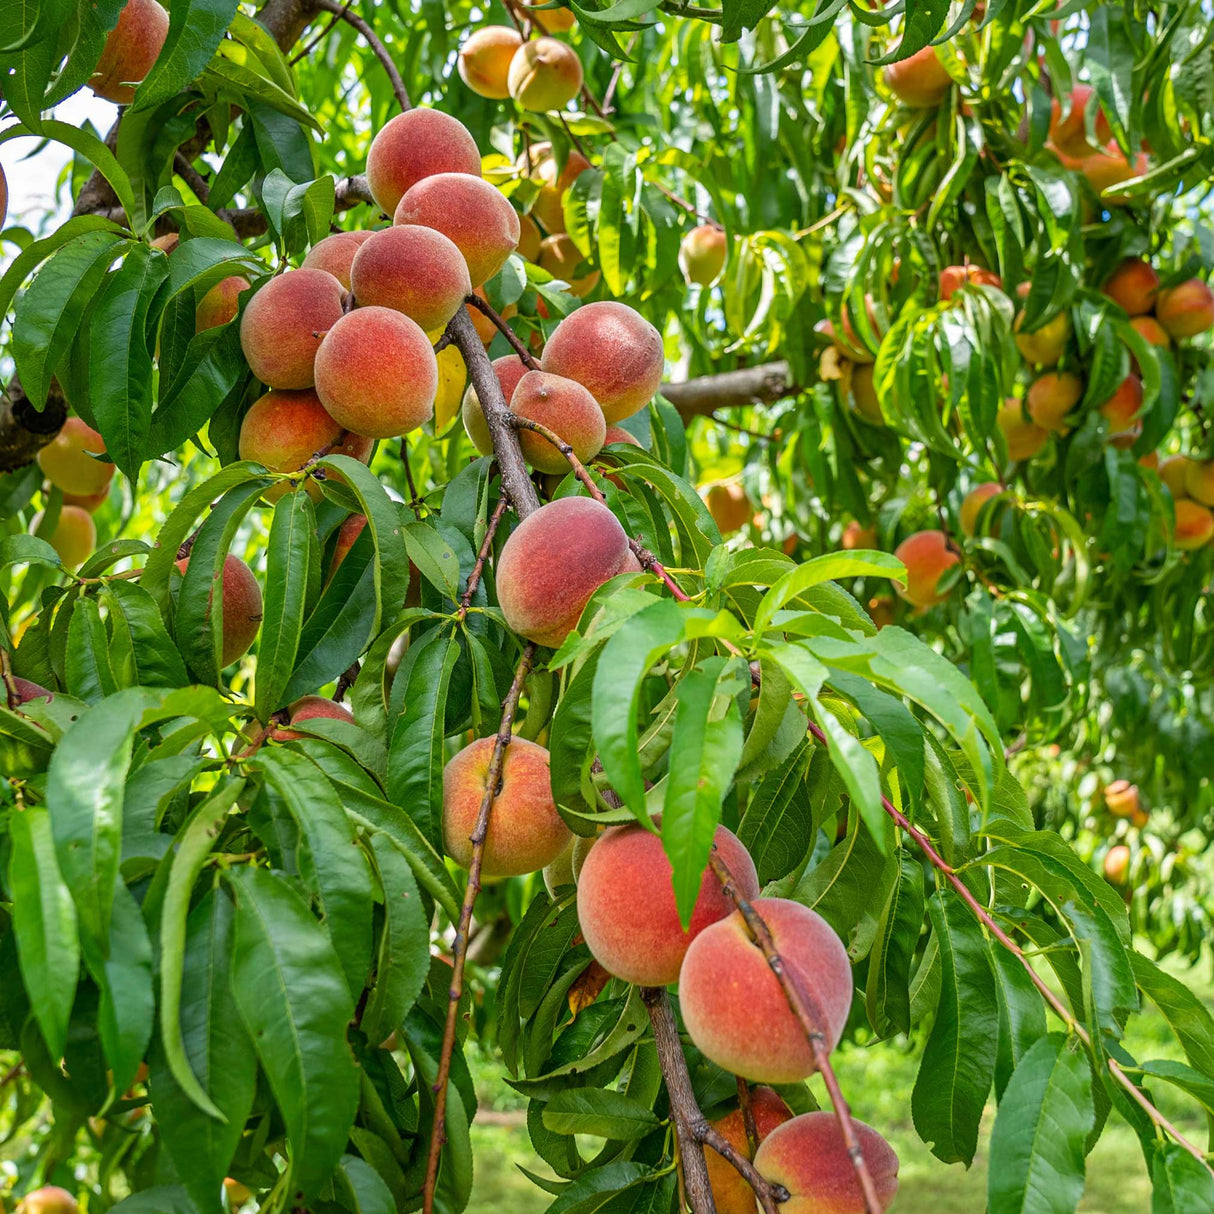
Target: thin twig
(324, 33)
(767, 1193)
(771, 436)
(192, 177)
(484, 306)
(577, 143)
(11, 1074)
(345, 682)
(415, 502)
(748, 1115)
(12, 695)
(465, 600)
(373, 41)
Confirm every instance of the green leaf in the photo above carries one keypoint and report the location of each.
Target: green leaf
(1021, 1015)
(1181, 1184)
(777, 828)
(826, 568)
(887, 995)
(143, 654)
(89, 675)
(195, 30)
(604, 1114)
(589, 1191)
(366, 1190)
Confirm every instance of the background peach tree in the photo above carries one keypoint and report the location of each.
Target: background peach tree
(237, 950)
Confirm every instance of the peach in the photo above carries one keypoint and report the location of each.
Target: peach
(841, 345)
(617, 434)
(567, 867)
(1187, 309)
(284, 323)
(1149, 328)
(87, 501)
(530, 238)
(525, 831)
(919, 81)
(220, 304)
(1024, 438)
(1045, 344)
(613, 351)
(347, 534)
(858, 537)
(539, 165)
(1123, 406)
(852, 345)
(74, 537)
(486, 330)
(730, 1192)
(67, 460)
(237, 1193)
(553, 562)
(561, 258)
(702, 254)
(1199, 481)
(881, 610)
(1132, 286)
(927, 557)
(544, 75)
(166, 243)
(808, 1156)
(1051, 397)
(415, 270)
(414, 145)
(567, 409)
(1069, 134)
(550, 20)
(241, 599)
(131, 48)
(376, 373)
(1117, 864)
(48, 1200)
(1121, 798)
(311, 708)
(971, 506)
(335, 254)
(1194, 525)
(726, 990)
(484, 60)
(1174, 472)
(1150, 460)
(1108, 168)
(953, 278)
(729, 506)
(471, 213)
(626, 905)
(864, 394)
(509, 369)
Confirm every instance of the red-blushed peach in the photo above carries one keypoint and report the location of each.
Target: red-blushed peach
(1117, 864)
(726, 991)
(67, 460)
(525, 831)
(335, 254)
(538, 164)
(864, 394)
(1199, 480)
(1187, 309)
(553, 562)
(1024, 437)
(166, 243)
(617, 434)
(284, 324)
(311, 708)
(50, 1199)
(241, 607)
(953, 278)
(566, 408)
(561, 258)
(1173, 471)
(927, 557)
(626, 905)
(702, 254)
(1069, 134)
(1123, 406)
(856, 537)
(1194, 525)
(544, 75)
(1044, 345)
(975, 499)
(1150, 460)
(1152, 331)
(611, 349)
(1121, 798)
(414, 270)
(484, 60)
(509, 370)
(1133, 286)
(376, 373)
(469, 211)
(347, 533)
(530, 238)
(550, 20)
(853, 355)
(729, 506)
(808, 1156)
(131, 48)
(220, 304)
(920, 80)
(730, 1192)
(1051, 397)
(74, 537)
(414, 145)
(1109, 167)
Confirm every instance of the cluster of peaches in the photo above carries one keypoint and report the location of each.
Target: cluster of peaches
(1120, 800)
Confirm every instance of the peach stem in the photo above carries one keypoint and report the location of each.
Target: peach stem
(484, 306)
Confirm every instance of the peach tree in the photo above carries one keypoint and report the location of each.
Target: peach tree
(378, 681)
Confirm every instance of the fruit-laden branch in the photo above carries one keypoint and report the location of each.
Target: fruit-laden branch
(762, 385)
(342, 11)
(460, 947)
(24, 431)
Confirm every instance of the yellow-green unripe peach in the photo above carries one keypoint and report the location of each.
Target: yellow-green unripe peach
(414, 270)
(525, 831)
(311, 708)
(131, 48)
(544, 75)
(1132, 286)
(509, 370)
(1173, 471)
(564, 407)
(471, 213)
(284, 324)
(1051, 397)
(1024, 437)
(553, 562)
(975, 499)
(927, 558)
(67, 460)
(538, 164)
(1045, 344)
(920, 80)
(626, 904)
(1194, 525)
(729, 506)
(1187, 309)
(484, 60)
(220, 304)
(335, 254)
(730, 1192)
(561, 258)
(48, 1200)
(702, 254)
(808, 1156)
(612, 350)
(241, 607)
(726, 989)
(530, 239)
(414, 145)
(74, 537)
(864, 394)
(566, 868)
(1199, 480)
(376, 373)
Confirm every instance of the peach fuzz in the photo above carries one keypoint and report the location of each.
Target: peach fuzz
(1043, 345)
(953, 278)
(808, 1156)
(241, 607)
(414, 145)
(626, 905)
(220, 304)
(551, 20)
(920, 80)
(131, 48)
(553, 562)
(566, 408)
(975, 499)
(311, 708)
(539, 165)
(67, 460)
(1050, 399)
(335, 254)
(1024, 438)
(561, 258)
(1187, 309)
(284, 324)
(1199, 480)
(612, 350)
(1132, 286)
(731, 1193)
(1069, 134)
(544, 75)
(927, 558)
(470, 212)
(864, 395)
(617, 434)
(857, 537)
(702, 254)
(729, 506)
(414, 270)
(376, 373)
(50, 1199)
(74, 537)
(1123, 406)
(283, 430)
(509, 370)
(484, 60)
(727, 991)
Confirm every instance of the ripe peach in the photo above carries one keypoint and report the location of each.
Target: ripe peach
(544, 74)
(414, 270)
(626, 905)
(470, 212)
(87, 501)
(1044, 345)
(561, 258)
(975, 499)
(1199, 481)
(414, 145)
(612, 350)
(953, 278)
(538, 164)
(1150, 329)
(347, 534)
(864, 394)
(1122, 407)
(1104, 169)
(48, 1200)
(550, 20)
(241, 598)
(566, 408)
(376, 373)
(553, 562)
(530, 238)
(486, 330)
(729, 506)
(1051, 397)
(166, 243)
(702, 254)
(74, 537)
(484, 60)
(927, 557)
(1117, 864)
(220, 304)
(284, 323)
(311, 708)
(131, 48)
(617, 434)
(525, 831)
(1069, 134)
(1194, 525)
(1150, 460)
(1187, 309)
(67, 463)
(1024, 438)
(919, 81)
(510, 369)
(1132, 286)
(808, 1156)
(857, 537)
(726, 990)
(1121, 798)
(335, 254)
(731, 1193)
(1174, 472)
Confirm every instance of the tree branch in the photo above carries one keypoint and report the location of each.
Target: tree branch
(24, 431)
(342, 11)
(484, 306)
(762, 385)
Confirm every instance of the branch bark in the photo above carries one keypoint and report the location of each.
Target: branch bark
(762, 385)
(24, 431)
